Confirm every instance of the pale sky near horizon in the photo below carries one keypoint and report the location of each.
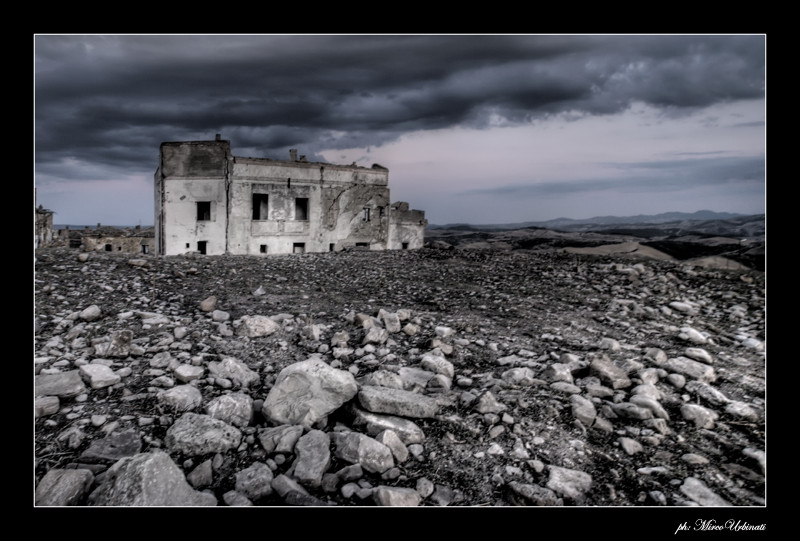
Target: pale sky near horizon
(476, 128)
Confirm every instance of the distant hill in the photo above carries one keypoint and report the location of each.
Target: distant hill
(569, 224)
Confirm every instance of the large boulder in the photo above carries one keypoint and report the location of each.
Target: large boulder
(194, 434)
(306, 392)
(148, 479)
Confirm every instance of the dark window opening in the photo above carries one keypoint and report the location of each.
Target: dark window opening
(405, 246)
(203, 210)
(263, 248)
(260, 206)
(299, 248)
(119, 248)
(301, 208)
(187, 244)
(331, 246)
(381, 211)
(108, 248)
(201, 246)
(365, 215)
(145, 249)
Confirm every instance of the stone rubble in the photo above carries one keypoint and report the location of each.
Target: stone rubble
(418, 378)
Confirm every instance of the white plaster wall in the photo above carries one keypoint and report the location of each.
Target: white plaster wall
(180, 216)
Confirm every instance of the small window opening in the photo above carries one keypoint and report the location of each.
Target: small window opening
(331, 246)
(263, 248)
(299, 248)
(145, 249)
(405, 246)
(260, 206)
(108, 248)
(187, 245)
(119, 248)
(201, 246)
(301, 208)
(203, 211)
(381, 211)
(365, 215)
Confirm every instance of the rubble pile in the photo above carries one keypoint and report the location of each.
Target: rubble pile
(431, 377)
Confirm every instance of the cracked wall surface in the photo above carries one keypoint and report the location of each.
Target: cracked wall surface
(319, 207)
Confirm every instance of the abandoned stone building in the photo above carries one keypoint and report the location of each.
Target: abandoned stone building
(209, 201)
(43, 235)
(134, 240)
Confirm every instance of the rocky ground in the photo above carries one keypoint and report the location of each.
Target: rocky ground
(431, 377)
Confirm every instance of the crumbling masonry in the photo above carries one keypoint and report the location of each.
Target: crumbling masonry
(207, 200)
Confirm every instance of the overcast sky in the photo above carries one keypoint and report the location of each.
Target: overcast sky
(477, 128)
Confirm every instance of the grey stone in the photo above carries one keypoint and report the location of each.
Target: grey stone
(707, 393)
(519, 376)
(283, 485)
(390, 320)
(696, 490)
(632, 411)
(189, 372)
(651, 404)
(235, 370)
(63, 487)
(219, 316)
(280, 439)
(118, 346)
(306, 392)
(208, 304)
(630, 446)
(699, 354)
(396, 496)
(397, 402)
(610, 374)
(313, 458)
(257, 326)
(255, 481)
(569, 483)
(113, 447)
(195, 434)
(527, 494)
(63, 385)
(358, 448)
(233, 408)
(700, 416)
(234, 498)
(424, 487)
(373, 423)
(46, 405)
(202, 476)
(693, 369)
(564, 387)
(148, 479)
(437, 365)
(391, 440)
(414, 377)
(692, 335)
(487, 403)
(91, 313)
(583, 410)
(741, 410)
(648, 390)
(558, 372)
(181, 398)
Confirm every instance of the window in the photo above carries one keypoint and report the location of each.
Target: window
(203, 211)
(119, 248)
(331, 246)
(301, 208)
(405, 246)
(263, 248)
(187, 245)
(145, 249)
(201, 246)
(381, 211)
(260, 206)
(365, 214)
(108, 248)
(299, 248)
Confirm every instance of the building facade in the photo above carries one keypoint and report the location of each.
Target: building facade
(209, 201)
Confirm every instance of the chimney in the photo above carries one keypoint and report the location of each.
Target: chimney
(293, 155)
(219, 137)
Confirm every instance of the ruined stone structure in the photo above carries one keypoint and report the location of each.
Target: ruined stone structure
(212, 202)
(113, 239)
(44, 227)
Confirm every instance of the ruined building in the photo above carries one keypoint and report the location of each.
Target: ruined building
(212, 202)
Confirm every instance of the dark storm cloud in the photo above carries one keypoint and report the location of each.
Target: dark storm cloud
(113, 99)
(659, 176)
